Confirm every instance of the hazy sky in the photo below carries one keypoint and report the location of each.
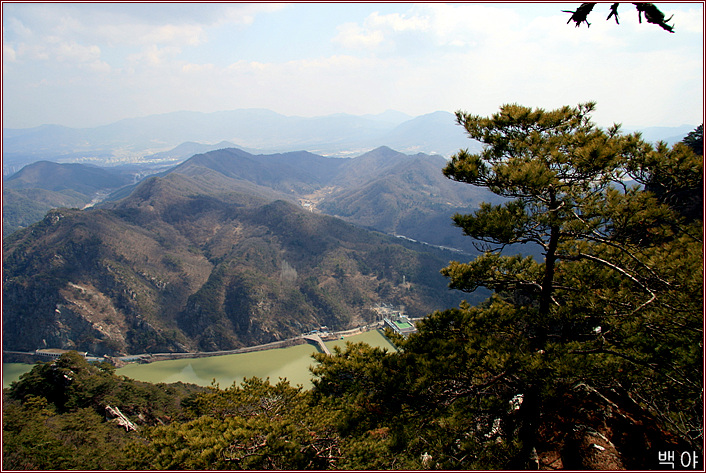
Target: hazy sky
(87, 64)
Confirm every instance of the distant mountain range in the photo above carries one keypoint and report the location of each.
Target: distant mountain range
(172, 137)
(382, 189)
(668, 134)
(227, 248)
(159, 138)
(189, 261)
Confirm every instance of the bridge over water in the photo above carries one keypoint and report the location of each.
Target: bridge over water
(316, 340)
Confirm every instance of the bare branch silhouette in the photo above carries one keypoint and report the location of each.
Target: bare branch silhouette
(652, 14)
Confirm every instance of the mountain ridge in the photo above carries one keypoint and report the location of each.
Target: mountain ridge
(41, 186)
(259, 130)
(382, 189)
(170, 268)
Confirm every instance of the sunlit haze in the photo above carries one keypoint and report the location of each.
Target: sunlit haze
(84, 64)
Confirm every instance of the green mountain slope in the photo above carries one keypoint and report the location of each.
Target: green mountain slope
(172, 268)
(382, 189)
(31, 192)
(406, 195)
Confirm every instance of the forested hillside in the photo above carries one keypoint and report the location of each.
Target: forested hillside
(382, 189)
(39, 187)
(175, 268)
(591, 358)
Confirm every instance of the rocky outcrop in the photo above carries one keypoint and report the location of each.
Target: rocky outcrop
(587, 429)
(588, 449)
(113, 414)
(171, 270)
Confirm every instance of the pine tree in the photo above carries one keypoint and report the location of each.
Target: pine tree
(617, 300)
(551, 166)
(676, 182)
(695, 140)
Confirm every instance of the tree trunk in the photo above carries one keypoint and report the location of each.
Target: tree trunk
(545, 295)
(528, 420)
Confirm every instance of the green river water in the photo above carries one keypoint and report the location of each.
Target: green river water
(291, 363)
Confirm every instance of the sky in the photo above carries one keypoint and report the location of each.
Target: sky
(91, 64)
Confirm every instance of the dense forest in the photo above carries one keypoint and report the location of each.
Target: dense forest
(589, 359)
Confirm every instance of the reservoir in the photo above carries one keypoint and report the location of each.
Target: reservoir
(291, 363)
(12, 372)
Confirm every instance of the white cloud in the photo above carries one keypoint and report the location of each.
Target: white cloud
(172, 34)
(99, 67)
(396, 22)
(418, 59)
(351, 35)
(126, 24)
(153, 55)
(15, 27)
(691, 20)
(198, 68)
(8, 53)
(378, 29)
(74, 52)
(245, 13)
(145, 34)
(470, 23)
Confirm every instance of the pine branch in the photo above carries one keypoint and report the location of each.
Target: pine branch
(652, 15)
(580, 15)
(631, 359)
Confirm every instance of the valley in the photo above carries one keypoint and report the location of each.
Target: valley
(226, 249)
(201, 259)
(290, 359)
(232, 266)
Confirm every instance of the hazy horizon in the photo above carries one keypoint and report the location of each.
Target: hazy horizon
(625, 127)
(91, 64)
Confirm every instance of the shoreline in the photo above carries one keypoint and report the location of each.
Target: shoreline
(120, 361)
